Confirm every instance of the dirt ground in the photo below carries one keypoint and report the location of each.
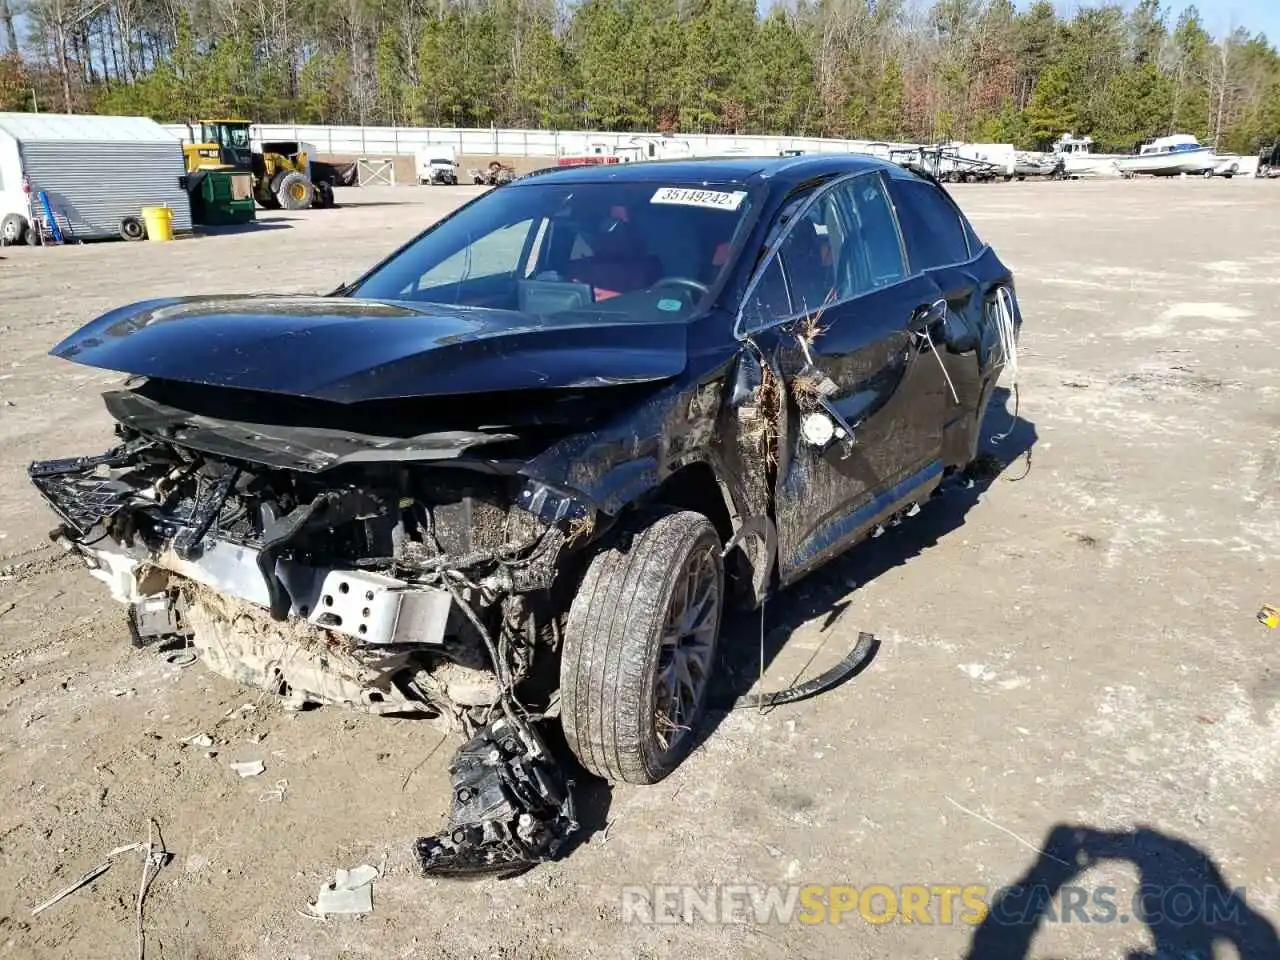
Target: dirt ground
(1071, 647)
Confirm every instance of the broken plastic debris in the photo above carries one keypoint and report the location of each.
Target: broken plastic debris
(361, 875)
(86, 878)
(276, 793)
(248, 768)
(512, 807)
(199, 740)
(977, 671)
(350, 891)
(1269, 616)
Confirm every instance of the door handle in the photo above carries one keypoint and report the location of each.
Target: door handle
(928, 315)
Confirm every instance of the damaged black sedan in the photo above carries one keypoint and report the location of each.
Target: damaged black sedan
(517, 472)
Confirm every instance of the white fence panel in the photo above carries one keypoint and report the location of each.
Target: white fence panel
(357, 141)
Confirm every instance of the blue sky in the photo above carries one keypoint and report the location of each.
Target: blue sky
(1253, 15)
(1218, 16)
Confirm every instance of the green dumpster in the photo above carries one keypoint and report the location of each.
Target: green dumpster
(220, 197)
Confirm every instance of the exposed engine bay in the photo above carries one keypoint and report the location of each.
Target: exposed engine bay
(392, 588)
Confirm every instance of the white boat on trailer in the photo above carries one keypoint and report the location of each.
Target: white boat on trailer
(1079, 160)
(1170, 157)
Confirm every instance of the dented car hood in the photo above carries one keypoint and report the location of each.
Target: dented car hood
(347, 350)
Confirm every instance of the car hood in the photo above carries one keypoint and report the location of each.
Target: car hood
(347, 350)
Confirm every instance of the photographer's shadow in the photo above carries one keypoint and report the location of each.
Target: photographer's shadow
(1183, 898)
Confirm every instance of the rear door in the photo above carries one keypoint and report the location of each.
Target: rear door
(942, 245)
(834, 309)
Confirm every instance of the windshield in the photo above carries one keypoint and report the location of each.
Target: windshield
(228, 135)
(606, 250)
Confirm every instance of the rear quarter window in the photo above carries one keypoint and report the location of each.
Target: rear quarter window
(931, 226)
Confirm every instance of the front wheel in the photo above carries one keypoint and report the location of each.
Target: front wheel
(295, 192)
(639, 644)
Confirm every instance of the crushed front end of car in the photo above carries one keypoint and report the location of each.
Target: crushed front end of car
(387, 588)
(348, 544)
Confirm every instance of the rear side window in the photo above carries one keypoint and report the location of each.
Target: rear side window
(931, 225)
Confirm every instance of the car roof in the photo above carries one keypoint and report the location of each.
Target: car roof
(779, 171)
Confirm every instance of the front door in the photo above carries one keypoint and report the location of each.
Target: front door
(860, 430)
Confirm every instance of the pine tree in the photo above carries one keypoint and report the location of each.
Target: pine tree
(1191, 93)
(1051, 111)
(887, 119)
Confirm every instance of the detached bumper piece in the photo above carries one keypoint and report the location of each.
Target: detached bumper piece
(511, 807)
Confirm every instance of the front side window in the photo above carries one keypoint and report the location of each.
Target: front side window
(842, 245)
(811, 256)
(641, 250)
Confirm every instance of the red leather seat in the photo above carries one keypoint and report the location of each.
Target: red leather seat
(619, 263)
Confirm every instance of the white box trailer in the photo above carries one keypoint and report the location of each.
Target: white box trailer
(96, 172)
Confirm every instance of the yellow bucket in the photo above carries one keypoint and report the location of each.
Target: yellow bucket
(159, 223)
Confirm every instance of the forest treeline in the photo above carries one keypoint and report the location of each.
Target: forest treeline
(881, 69)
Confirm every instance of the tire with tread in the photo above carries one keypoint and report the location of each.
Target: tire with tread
(612, 643)
(295, 192)
(13, 229)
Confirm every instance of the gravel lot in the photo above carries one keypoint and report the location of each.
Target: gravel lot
(1074, 649)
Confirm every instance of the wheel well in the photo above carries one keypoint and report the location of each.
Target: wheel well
(695, 487)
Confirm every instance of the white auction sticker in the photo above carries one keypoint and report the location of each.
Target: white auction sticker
(692, 197)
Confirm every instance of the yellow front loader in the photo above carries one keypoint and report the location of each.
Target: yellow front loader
(279, 170)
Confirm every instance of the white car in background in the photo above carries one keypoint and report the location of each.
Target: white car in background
(436, 165)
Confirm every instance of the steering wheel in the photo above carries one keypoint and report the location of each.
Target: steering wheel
(699, 290)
